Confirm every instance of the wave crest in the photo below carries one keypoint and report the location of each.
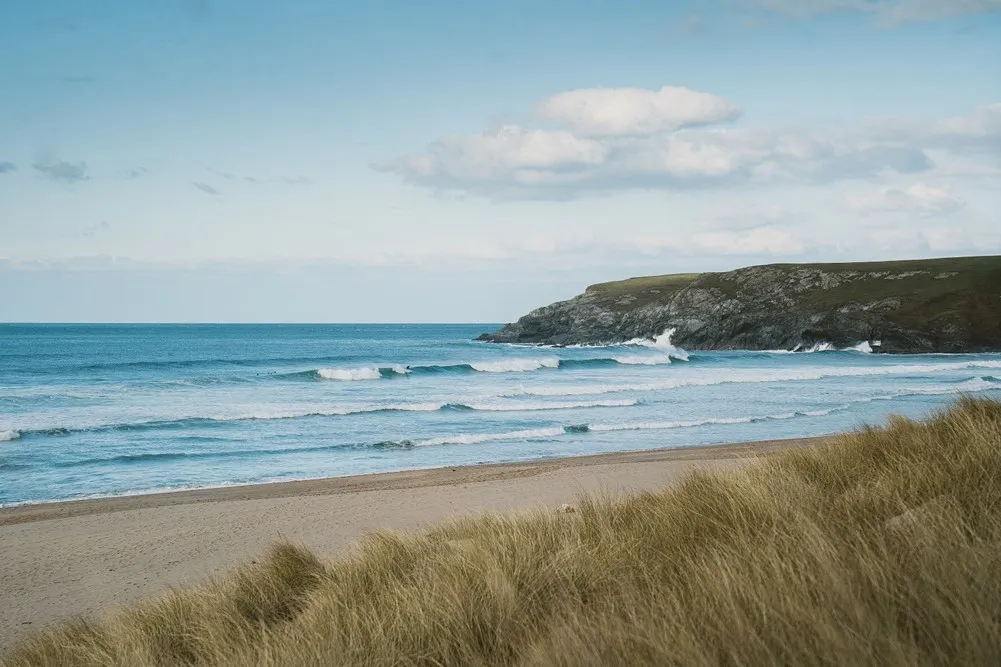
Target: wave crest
(753, 377)
(353, 374)
(863, 347)
(515, 365)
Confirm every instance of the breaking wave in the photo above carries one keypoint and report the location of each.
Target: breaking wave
(663, 351)
(863, 347)
(545, 433)
(515, 365)
(744, 376)
(512, 365)
(360, 373)
(663, 344)
(190, 422)
(576, 429)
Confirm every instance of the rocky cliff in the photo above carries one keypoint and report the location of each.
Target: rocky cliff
(936, 305)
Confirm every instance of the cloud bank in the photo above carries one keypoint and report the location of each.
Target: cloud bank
(626, 138)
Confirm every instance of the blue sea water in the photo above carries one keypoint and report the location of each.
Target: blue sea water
(93, 410)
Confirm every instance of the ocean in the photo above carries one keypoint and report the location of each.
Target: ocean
(101, 410)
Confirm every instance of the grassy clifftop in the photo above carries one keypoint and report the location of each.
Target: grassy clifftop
(933, 305)
(626, 295)
(882, 549)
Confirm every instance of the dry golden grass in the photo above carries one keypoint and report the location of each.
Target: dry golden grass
(883, 549)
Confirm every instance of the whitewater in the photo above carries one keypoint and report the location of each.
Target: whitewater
(101, 410)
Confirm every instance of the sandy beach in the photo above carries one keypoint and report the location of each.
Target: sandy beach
(88, 557)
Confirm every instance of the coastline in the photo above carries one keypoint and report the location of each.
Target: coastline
(403, 479)
(87, 557)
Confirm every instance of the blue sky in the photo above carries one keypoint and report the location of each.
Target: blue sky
(257, 160)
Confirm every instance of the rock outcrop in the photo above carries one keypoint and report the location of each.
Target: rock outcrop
(937, 305)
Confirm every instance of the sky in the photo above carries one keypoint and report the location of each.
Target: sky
(446, 161)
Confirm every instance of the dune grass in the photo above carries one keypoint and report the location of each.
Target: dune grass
(882, 549)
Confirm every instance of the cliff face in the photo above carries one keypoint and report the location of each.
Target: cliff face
(938, 305)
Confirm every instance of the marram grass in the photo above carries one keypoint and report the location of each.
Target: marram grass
(883, 549)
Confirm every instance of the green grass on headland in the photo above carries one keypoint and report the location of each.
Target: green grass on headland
(883, 549)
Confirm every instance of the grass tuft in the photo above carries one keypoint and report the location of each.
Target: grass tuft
(884, 548)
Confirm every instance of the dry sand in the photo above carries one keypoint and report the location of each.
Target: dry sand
(88, 557)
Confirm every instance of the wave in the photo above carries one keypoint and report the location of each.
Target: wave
(186, 363)
(662, 343)
(652, 426)
(576, 429)
(568, 405)
(513, 365)
(542, 433)
(749, 376)
(476, 438)
(8, 435)
(145, 457)
(969, 386)
(360, 373)
(191, 422)
(863, 347)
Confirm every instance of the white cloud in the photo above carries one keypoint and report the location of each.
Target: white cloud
(918, 199)
(975, 132)
(508, 153)
(892, 12)
(984, 122)
(763, 154)
(514, 162)
(617, 145)
(610, 112)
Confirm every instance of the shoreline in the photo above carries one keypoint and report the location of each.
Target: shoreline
(43, 510)
(90, 557)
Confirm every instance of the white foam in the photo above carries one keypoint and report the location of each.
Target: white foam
(12, 434)
(643, 360)
(863, 347)
(349, 374)
(662, 343)
(515, 365)
(745, 376)
(823, 413)
(691, 423)
(476, 438)
(656, 426)
(558, 431)
(566, 405)
(972, 385)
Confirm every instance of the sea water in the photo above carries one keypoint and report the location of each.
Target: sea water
(98, 410)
